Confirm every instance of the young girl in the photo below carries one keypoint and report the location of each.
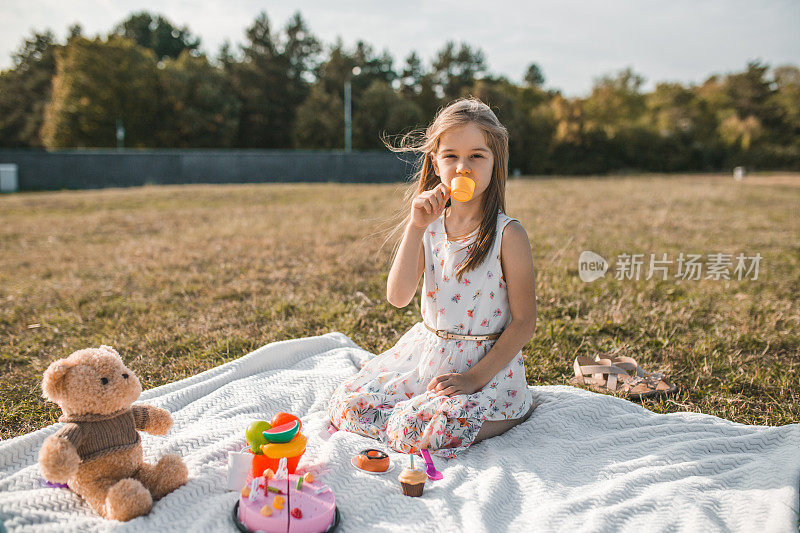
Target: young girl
(458, 376)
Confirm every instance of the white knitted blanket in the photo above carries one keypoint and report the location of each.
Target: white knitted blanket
(583, 461)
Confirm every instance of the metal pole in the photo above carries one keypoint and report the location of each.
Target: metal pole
(348, 141)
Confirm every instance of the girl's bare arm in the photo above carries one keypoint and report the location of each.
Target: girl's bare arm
(409, 263)
(407, 268)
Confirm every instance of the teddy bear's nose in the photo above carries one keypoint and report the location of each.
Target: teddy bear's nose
(104, 381)
(125, 376)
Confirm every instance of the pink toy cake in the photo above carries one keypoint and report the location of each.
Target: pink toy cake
(294, 505)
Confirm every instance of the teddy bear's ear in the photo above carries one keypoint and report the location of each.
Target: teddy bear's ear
(53, 379)
(110, 350)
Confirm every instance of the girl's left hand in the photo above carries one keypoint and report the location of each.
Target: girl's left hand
(453, 384)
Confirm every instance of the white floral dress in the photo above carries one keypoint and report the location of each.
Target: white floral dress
(388, 399)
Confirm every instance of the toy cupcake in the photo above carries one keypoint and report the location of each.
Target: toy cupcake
(412, 480)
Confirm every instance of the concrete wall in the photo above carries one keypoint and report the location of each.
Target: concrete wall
(88, 169)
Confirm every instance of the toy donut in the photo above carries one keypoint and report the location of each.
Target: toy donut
(372, 460)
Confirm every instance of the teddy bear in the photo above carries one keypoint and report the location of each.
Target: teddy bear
(98, 451)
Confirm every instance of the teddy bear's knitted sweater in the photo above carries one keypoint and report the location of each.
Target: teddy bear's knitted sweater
(96, 435)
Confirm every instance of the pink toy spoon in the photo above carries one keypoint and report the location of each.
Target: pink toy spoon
(431, 470)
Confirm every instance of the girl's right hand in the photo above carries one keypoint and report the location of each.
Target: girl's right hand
(427, 206)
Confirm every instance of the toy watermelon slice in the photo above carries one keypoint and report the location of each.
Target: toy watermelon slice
(283, 433)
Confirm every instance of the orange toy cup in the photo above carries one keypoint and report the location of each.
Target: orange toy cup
(461, 188)
(262, 462)
(272, 454)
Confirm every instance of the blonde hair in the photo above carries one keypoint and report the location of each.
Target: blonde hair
(457, 114)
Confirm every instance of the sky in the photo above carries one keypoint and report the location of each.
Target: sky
(573, 41)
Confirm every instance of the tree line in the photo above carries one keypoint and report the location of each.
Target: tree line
(284, 89)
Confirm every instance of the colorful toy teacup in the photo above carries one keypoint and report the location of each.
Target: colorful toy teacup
(462, 187)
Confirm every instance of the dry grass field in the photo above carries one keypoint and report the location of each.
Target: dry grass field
(181, 279)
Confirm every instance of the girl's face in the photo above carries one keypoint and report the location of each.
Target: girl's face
(464, 148)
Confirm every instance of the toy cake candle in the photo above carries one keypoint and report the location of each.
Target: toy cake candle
(412, 480)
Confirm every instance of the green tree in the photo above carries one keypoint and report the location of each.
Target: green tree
(679, 125)
(383, 112)
(616, 102)
(25, 90)
(320, 121)
(784, 152)
(730, 111)
(301, 49)
(500, 95)
(708, 99)
(567, 115)
(411, 76)
(534, 77)
(455, 70)
(261, 83)
(750, 92)
(270, 81)
(335, 69)
(158, 34)
(417, 85)
(97, 82)
(787, 99)
(199, 110)
(372, 69)
(340, 63)
(669, 107)
(538, 142)
(516, 108)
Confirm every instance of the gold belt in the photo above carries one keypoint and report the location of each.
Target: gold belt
(445, 335)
